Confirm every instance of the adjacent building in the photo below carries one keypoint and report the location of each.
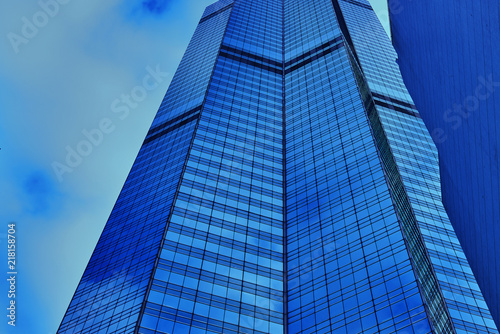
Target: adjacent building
(287, 185)
(448, 54)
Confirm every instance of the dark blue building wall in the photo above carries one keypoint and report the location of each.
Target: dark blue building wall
(449, 54)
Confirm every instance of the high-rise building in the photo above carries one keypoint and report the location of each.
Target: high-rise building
(449, 55)
(287, 185)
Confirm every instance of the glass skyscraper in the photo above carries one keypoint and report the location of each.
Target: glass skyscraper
(287, 185)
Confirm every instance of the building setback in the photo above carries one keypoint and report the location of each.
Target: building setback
(448, 54)
(287, 185)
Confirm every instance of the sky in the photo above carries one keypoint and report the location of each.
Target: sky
(64, 63)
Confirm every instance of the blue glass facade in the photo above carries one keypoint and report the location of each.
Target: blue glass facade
(287, 185)
(448, 55)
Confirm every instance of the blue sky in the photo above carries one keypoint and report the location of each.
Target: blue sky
(58, 81)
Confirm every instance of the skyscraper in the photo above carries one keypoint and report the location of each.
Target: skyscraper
(448, 54)
(287, 185)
